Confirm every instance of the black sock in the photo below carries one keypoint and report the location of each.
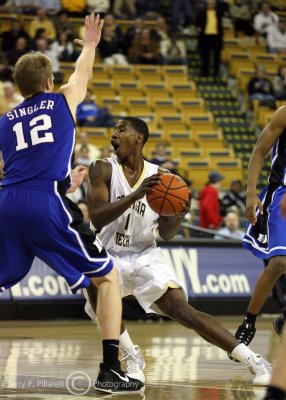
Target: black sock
(110, 353)
(251, 318)
(274, 393)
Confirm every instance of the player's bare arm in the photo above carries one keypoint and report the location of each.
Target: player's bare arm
(265, 142)
(169, 226)
(102, 212)
(75, 89)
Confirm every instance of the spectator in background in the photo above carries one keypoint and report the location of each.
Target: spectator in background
(25, 7)
(42, 47)
(181, 14)
(98, 6)
(133, 32)
(64, 48)
(106, 151)
(89, 114)
(10, 37)
(7, 6)
(241, 16)
(173, 51)
(161, 158)
(209, 25)
(83, 156)
(265, 19)
(5, 70)
(83, 139)
(145, 50)
(279, 83)
(276, 37)
(234, 198)
(160, 32)
(75, 8)
(51, 7)
(110, 48)
(209, 207)
(149, 9)
(82, 205)
(125, 9)
(260, 88)
(231, 229)
(63, 23)
(10, 98)
(21, 48)
(41, 21)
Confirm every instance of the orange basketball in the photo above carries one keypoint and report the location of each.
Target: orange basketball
(167, 197)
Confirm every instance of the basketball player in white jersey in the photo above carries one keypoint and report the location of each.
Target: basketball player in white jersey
(126, 225)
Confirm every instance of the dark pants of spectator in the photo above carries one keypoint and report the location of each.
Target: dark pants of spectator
(181, 9)
(244, 26)
(210, 47)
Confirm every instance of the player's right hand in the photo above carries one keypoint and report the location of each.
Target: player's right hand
(93, 28)
(146, 186)
(252, 202)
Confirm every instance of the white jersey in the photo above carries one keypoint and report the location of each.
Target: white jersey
(134, 231)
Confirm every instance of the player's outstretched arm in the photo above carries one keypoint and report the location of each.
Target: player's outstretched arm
(265, 142)
(169, 226)
(102, 212)
(75, 89)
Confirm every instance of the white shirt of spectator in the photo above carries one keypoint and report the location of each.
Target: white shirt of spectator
(230, 234)
(276, 39)
(262, 23)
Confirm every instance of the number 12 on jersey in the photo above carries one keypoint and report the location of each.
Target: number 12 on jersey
(38, 124)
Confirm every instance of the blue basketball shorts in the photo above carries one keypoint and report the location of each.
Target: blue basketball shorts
(267, 237)
(37, 221)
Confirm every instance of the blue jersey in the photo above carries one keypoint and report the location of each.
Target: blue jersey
(37, 140)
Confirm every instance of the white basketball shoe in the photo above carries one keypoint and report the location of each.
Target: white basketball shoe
(261, 368)
(134, 363)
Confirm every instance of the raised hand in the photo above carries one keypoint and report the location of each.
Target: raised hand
(93, 28)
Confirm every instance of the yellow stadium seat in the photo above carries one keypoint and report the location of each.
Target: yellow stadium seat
(103, 88)
(208, 140)
(139, 106)
(230, 170)
(171, 123)
(100, 73)
(218, 154)
(197, 172)
(129, 90)
(200, 120)
(183, 91)
(155, 91)
(122, 73)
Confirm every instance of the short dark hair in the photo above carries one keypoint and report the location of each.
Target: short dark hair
(139, 126)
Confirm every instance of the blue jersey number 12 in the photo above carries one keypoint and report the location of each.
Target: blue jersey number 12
(40, 123)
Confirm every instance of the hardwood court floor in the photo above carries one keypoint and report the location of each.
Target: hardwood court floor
(38, 360)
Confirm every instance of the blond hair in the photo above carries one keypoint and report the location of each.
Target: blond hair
(32, 72)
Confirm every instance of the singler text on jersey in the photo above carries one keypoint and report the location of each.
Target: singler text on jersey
(23, 111)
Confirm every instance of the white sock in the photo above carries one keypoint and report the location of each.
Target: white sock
(125, 342)
(242, 352)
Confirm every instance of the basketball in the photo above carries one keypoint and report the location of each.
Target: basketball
(167, 196)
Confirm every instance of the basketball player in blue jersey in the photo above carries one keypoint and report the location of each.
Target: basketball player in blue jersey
(265, 235)
(36, 218)
(119, 210)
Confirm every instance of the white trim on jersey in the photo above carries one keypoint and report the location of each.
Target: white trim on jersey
(91, 259)
(70, 157)
(252, 241)
(78, 282)
(99, 269)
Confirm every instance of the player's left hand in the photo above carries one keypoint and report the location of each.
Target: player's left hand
(77, 176)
